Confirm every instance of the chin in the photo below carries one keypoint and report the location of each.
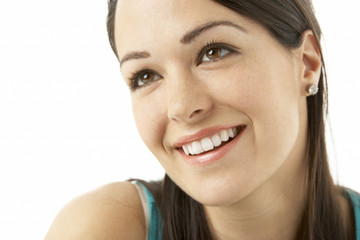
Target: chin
(219, 193)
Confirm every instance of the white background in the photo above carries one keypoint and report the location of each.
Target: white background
(66, 125)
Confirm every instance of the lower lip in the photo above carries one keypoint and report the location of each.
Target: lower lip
(213, 155)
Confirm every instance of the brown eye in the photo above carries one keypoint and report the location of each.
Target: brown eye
(145, 78)
(214, 53)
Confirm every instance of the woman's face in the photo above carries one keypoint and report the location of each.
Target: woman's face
(197, 70)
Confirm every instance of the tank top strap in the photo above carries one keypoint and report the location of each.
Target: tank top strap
(355, 199)
(153, 223)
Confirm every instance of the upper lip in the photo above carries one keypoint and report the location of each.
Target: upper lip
(206, 132)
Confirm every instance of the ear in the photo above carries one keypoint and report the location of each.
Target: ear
(310, 61)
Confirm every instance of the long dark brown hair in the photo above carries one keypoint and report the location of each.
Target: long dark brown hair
(286, 20)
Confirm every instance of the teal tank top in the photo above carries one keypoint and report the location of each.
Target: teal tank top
(355, 199)
(155, 225)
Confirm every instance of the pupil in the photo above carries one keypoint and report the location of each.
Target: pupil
(212, 53)
(147, 76)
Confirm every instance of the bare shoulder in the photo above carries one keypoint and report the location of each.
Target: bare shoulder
(113, 211)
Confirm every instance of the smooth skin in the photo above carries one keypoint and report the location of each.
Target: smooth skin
(258, 189)
(111, 212)
(260, 183)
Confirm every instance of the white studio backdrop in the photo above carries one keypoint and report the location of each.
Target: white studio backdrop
(66, 125)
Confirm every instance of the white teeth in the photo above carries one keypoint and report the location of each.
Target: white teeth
(224, 135)
(216, 140)
(189, 146)
(186, 150)
(231, 133)
(197, 148)
(207, 143)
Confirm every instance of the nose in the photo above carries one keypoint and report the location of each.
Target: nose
(188, 100)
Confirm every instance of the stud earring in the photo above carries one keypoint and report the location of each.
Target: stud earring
(312, 89)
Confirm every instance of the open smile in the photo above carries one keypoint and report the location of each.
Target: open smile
(209, 147)
(209, 143)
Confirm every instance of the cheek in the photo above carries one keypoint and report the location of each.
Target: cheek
(150, 122)
(268, 98)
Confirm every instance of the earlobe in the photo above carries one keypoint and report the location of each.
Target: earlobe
(311, 62)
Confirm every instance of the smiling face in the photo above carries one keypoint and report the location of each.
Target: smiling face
(199, 71)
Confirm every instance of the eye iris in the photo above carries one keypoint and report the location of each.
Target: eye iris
(213, 53)
(147, 77)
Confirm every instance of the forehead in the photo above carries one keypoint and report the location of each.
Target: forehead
(144, 23)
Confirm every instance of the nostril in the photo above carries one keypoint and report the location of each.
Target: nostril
(195, 113)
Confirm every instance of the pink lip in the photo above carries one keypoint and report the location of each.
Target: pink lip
(207, 132)
(213, 155)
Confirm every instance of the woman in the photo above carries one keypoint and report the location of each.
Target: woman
(230, 96)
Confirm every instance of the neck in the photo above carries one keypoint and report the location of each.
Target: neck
(273, 211)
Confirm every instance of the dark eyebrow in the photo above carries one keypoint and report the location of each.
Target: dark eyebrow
(134, 55)
(191, 35)
(187, 38)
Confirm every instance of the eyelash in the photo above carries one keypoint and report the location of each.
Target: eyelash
(200, 54)
(135, 75)
(212, 44)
